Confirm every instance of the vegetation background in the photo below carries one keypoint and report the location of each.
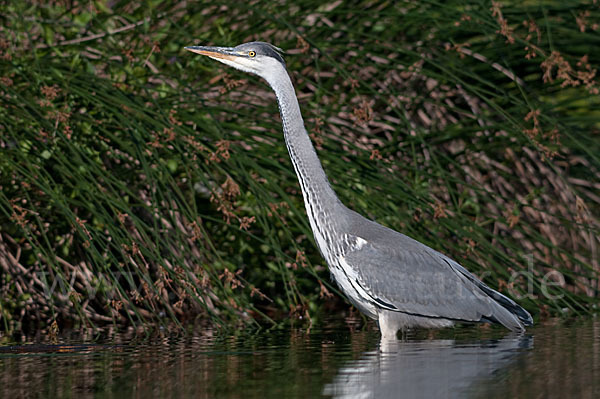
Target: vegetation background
(142, 184)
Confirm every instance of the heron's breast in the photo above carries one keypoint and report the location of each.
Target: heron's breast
(348, 281)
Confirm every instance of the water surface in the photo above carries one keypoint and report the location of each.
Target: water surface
(337, 360)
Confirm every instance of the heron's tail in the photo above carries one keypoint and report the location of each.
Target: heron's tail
(508, 312)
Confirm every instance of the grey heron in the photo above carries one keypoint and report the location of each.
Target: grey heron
(388, 276)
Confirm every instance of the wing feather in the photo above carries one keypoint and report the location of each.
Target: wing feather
(418, 280)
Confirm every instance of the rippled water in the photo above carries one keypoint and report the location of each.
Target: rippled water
(337, 360)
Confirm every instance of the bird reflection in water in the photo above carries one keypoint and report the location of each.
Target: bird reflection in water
(427, 369)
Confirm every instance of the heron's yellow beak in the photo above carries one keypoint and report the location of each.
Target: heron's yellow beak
(226, 53)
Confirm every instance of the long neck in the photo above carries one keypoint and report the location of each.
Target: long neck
(319, 198)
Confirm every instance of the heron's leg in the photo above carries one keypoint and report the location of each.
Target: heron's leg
(388, 326)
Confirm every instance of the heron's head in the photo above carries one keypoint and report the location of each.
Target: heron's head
(262, 59)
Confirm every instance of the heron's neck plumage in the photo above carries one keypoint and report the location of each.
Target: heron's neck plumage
(319, 198)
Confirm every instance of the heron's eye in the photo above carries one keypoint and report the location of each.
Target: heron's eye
(251, 53)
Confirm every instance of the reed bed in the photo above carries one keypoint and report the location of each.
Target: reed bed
(141, 184)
